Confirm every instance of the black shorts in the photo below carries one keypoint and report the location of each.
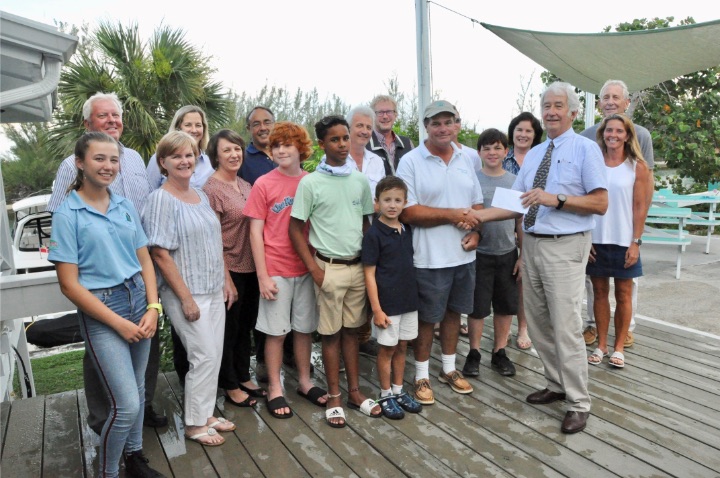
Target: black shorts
(495, 285)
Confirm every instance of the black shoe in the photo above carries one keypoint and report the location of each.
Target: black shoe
(472, 364)
(369, 348)
(153, 419)
(136, 466)
(502, 364)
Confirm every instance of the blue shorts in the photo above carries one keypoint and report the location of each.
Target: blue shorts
(449, 288)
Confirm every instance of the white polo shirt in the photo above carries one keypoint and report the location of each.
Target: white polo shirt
(433, 183)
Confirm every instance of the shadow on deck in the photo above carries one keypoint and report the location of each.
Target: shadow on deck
(660, 416)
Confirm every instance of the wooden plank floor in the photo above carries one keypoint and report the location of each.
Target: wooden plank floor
(660, 416)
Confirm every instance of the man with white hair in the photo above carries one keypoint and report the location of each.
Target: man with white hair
(564, 184)
(102, 112)
(615, 98)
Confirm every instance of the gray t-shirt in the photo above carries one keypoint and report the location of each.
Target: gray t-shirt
(498, 237)
(643, 136)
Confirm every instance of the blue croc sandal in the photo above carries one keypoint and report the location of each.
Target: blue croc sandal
(390, 408)
(408, 403)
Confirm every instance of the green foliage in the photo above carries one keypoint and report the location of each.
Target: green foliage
(56, 373)
(153, 79)
(302, 107)
(27, 168)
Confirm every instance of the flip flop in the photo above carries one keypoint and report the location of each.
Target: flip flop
(210, 432)
(598, 357)
(366, 407)
(620, 360)
(222, 421)
(314, 395)
(335, 412)
(276, 404)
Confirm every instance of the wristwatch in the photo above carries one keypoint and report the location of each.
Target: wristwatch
(157, 307)
(561, 201)
(638, 241)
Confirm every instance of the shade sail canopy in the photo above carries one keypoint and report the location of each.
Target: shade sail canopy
(640, 58)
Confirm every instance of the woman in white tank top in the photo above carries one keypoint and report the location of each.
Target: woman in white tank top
(616, 238)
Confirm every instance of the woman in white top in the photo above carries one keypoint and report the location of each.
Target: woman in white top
(616, 238)
(192, 120)
(186, 244)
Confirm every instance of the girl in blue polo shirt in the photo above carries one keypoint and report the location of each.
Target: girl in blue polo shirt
(103, 266)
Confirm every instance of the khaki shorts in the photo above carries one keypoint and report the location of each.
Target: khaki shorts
(341, 299)
(293, 309)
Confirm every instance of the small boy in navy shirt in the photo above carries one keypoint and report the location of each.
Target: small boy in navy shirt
(387, 257)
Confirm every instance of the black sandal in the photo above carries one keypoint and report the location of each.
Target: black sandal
(276, 404)
(254, 392)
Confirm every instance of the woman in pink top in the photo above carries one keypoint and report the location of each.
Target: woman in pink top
(227, 194)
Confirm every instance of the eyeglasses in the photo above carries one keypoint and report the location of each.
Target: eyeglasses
(267, 123)
(385, 112)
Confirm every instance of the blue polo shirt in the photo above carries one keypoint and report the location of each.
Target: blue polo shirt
(102, 245)
(255, 164)
(392, 253)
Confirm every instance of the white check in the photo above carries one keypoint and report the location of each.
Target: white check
(508, 199)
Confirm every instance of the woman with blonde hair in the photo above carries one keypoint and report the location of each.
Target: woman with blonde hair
(186, 245)
(616, 238)
(192, 120)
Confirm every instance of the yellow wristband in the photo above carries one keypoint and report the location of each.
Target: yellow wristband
(157, 307)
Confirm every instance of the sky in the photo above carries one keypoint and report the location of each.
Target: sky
(351, 49)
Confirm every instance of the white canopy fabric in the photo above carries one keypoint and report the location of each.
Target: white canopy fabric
(640, 58)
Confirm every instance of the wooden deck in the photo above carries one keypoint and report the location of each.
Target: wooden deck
(660, 416)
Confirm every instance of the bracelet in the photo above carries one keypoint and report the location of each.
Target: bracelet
(157, 307)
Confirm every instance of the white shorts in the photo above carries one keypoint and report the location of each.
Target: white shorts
(403, 327)
(294, 308)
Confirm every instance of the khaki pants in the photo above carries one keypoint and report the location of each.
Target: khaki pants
(553, 284)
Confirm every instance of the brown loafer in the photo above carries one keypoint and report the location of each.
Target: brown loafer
(544, 396)
(629, 339)
(574, 422)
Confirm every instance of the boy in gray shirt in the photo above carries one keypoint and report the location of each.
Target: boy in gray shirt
(497, 262)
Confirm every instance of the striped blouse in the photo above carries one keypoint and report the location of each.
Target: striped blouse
(191, 233)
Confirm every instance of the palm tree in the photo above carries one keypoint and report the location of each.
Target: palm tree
(153, 79)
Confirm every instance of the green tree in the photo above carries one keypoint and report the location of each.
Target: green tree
(27, 168)
(152, 78)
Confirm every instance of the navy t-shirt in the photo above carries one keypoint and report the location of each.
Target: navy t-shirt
(392, 253)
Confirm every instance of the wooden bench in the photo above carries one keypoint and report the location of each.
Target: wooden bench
(675, 237)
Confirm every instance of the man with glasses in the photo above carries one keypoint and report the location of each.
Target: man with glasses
(258, 161)
(384, 142)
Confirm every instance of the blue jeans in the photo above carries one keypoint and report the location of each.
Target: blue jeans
(121, 368)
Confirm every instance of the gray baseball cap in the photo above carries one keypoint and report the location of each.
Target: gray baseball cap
(437, 107)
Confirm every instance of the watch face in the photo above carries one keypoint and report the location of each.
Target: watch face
(562, 197)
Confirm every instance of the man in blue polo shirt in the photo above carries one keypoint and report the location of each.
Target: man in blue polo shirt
(258, 161)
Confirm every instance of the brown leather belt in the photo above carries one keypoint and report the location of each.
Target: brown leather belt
(344, 262)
